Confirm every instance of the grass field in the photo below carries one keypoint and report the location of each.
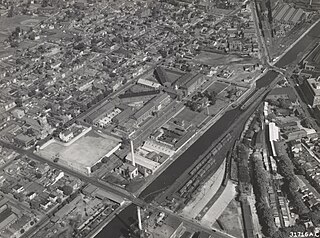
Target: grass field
(217, 87)
(192, 117)
(9, 24)
(187, 115)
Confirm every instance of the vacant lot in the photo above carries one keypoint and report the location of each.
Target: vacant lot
(230, 219)
(9, 24)
(85, 151)
(192, 117)
(219, 206)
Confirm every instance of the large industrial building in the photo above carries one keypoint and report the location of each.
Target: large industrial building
(144, 165)
(273, 136)
(99, 113)
(286, 14)
(155, 104)
(185, 82)
(311, 90)
(189, 83)
(312, 61)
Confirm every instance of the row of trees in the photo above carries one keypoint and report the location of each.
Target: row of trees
(290, 185)
(262, 182)
(260, 187)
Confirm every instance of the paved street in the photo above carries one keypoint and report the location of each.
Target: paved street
(113, 189)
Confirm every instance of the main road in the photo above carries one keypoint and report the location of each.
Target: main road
(109, 188)
(112, 189)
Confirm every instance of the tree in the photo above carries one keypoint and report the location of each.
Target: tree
(284, 103)
(10, 12)
(261, 179)
(306, 123)
(298, 203)
(266, 219)
(17, 196)
(18, 102)
(286, 167)
(14, 44)
(105, 160)
(290, 186)
(44, 3)
(34, 204)
(67, 190)
(18, 29)
(32, 163)
(32, 36)
(5, 189)
(212, 96)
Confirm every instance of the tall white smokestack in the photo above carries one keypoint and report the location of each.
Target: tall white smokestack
(139, 218)
(132, 154)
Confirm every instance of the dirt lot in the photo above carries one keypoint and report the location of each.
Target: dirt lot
(219, 206)
(231, 221)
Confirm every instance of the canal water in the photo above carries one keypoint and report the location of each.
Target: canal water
(120, 224)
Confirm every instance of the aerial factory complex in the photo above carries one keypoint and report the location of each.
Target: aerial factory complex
(159, 118)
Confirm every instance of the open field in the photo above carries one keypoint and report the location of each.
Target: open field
(192, 117)
(217, 107)
(281, 44)
(231, 219)
(219, 206)
(9, 24)
(217, 87)
(85, 151)
(215, 59)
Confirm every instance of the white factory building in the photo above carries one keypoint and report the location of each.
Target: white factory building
(274, 133)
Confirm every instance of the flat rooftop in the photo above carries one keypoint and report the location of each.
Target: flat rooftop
(315, 85)
(144, 162)
(86, 151)
(313, 57)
